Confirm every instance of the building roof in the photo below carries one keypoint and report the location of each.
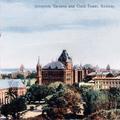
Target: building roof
(106, 78)
(77, 67)
(103, 73)
(54, 65)
(64, 57)
(92, 74)
(8, 83)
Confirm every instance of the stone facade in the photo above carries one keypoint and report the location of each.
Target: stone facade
(106, 82)
(16, 86)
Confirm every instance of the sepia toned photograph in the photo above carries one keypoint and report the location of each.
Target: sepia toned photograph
(59, 60)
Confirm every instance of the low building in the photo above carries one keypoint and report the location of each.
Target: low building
(106, 82)
(15, 85)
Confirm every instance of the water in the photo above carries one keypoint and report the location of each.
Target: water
(12, 70)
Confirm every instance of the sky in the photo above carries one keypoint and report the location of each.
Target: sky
(90, 35)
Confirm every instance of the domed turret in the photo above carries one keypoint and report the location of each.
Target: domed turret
(22, 68)
(65, 59)
(108, 68)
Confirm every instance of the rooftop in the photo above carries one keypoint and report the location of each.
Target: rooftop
(106, 78)
(8, 83)
(54, 65)
(64, 57)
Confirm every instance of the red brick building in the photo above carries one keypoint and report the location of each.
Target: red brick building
(60, 70)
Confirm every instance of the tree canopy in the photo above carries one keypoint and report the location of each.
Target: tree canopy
(14, 107)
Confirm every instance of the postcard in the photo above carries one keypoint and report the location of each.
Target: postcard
(59, 59)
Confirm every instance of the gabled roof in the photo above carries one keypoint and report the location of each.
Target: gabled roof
(8, 83)
(105, 73)
(54, 65)
(64, 57)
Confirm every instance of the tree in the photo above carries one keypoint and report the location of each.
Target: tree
(95, 99)
(63, 103)
(32, 75)
(114, 93)
(6, 110)
(12, 93)
(37, 93)
(20, 76)
(14, 107)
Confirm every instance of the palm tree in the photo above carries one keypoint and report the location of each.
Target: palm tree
(11, 94)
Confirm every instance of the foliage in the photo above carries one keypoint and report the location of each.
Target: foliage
(14, 107)
(36, 93)
(64, 100)
(4, 76)
(39, 92)
(63, 103)
(11, 94)
(20, 76)
(6, 110)
(95, 99)
(104, 115)
(114, 97)
(32, 75)
(99, 99)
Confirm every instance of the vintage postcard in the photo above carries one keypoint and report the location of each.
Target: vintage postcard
(59, 59)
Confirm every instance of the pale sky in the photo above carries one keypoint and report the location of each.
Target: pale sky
(90, 35)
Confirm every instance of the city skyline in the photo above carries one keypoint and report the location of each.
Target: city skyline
(90, 35)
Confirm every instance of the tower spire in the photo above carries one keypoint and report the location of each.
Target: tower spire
(39, 72)
(38, 59)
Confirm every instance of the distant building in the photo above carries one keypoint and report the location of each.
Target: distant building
(22, 68)
(106, 82)
(108, 68)
(16, 85)
(60, 70)
(88, 68)
(78, 74)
